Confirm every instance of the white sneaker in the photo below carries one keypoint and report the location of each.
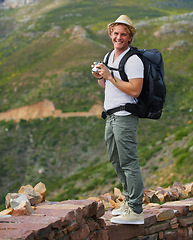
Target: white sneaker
(129, 217)
(120, 210)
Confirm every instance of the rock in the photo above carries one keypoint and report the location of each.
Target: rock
(153, 205)
(8, 197)
(121, 198)
(118, 203)
(8, 211)
(24, 208)
(160, 190)
(117, 192)
(178, 185)
(32, 200)
(112, 203)
(189, 189)
(146, 199)
(97, 199)
(17, 205)
(14, 199)
(183, 194)
(41, 189)
(34, 208)
(161, 197)
(164, 214)
(108, 200)
(100, 210)
(152, 196)
(175, 193)
(168, 196)
(110, 196)
(29, 191)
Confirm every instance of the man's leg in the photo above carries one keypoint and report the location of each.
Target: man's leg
(113, 153)
(125, 132)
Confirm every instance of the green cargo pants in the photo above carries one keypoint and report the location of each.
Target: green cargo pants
(122, 147)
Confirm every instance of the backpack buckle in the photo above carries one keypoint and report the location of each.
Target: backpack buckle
(104, 115)
(122, 108)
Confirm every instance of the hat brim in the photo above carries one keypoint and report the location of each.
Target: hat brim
(131, 27)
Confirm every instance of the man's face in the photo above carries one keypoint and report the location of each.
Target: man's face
(120, 38)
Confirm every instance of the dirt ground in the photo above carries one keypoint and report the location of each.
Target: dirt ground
(46, 108)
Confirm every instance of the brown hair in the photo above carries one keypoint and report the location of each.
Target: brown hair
(129, 29)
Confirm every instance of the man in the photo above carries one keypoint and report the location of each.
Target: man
(121, 126)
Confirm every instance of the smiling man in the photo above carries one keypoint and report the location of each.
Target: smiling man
(121, 125)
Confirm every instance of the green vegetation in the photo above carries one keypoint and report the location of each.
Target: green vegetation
(46, 56)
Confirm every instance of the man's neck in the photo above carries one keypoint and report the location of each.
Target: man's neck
(118, 52)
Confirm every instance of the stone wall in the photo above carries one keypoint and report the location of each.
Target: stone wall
(87, 219)
(170, 221)
(74, 220)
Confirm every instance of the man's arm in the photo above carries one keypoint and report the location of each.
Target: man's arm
(132, 88)
(101, 82)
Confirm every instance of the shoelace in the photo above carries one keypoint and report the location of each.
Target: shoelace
(124, 202)
(127, 211)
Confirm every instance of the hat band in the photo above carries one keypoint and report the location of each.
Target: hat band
(123, 22)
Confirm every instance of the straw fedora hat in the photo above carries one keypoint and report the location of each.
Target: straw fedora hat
(124, 19)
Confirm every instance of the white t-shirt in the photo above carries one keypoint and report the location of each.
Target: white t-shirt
(113, 96)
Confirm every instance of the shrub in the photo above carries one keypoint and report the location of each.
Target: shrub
(181, 133)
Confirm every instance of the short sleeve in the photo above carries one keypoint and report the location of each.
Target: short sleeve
(134, 67)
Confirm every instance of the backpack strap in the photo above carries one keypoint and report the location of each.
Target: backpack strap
(107, 57)
(129, 107)
(106, 63)
(130, 53)
(121, 68)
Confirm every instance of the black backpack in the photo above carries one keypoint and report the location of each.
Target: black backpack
(152, 97)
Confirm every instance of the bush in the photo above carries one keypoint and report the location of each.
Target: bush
(181, 133)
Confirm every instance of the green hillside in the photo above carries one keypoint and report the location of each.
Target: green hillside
(46, 50)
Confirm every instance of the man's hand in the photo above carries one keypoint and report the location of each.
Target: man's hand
(97, 75)
(101, 79)
(103, 71)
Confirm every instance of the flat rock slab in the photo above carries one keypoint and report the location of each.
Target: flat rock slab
(47, 216)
